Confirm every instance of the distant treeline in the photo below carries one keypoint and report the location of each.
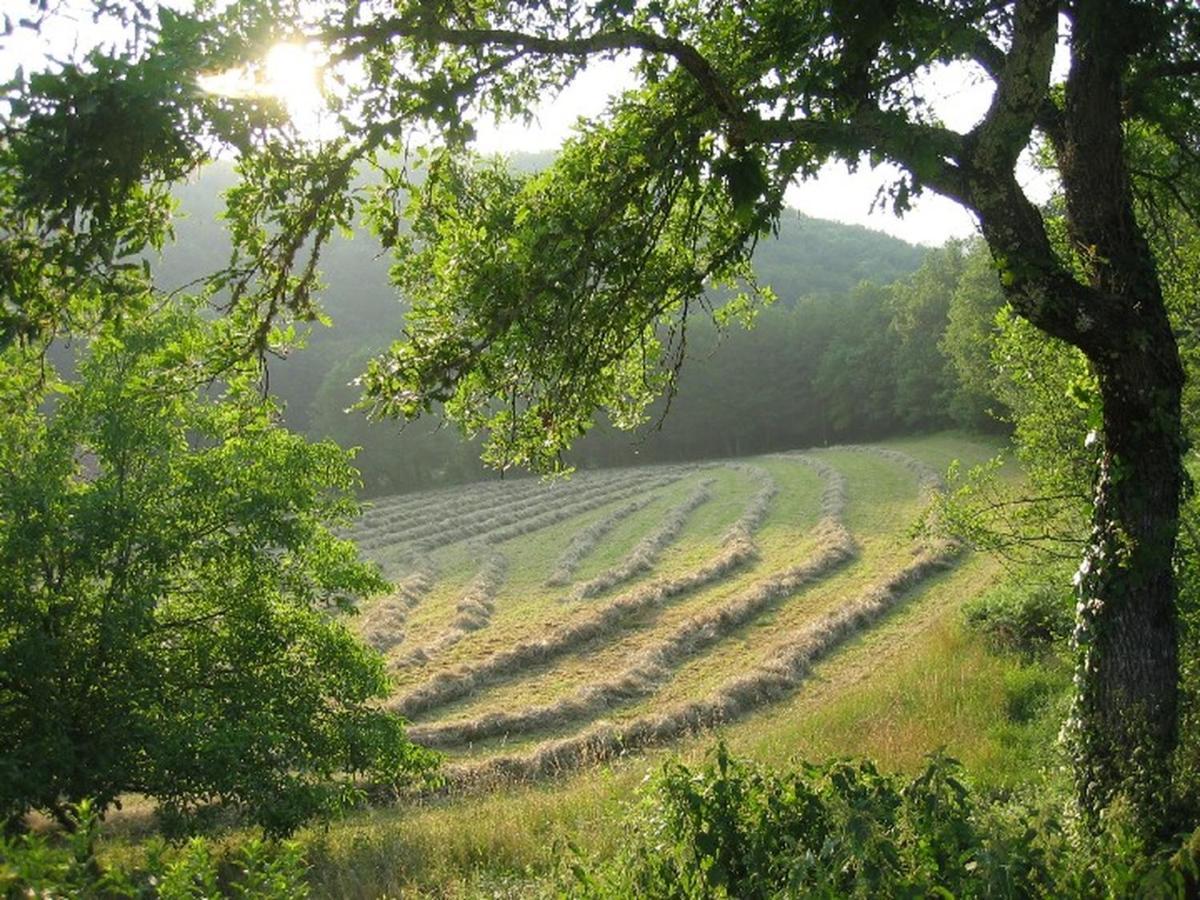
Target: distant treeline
(856, 365)
(868, 339)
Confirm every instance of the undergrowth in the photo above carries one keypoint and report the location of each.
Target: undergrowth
(65, 865)
(737, 828)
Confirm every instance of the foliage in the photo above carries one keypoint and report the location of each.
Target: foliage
(170, 579)
(920, 307)
(33, 865)
(842, 829)
(818, 369)
(735, 828)
(1187, 765)
(969, 339)
(742, 391)
(540, 299)
(1026, 615)
(502, 287)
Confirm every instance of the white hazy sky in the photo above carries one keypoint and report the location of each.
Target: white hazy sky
(959, 97)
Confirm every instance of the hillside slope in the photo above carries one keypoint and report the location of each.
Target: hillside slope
(783, 604)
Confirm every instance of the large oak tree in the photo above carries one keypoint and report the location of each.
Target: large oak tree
(538, 299)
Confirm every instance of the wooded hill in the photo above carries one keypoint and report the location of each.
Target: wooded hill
(854, 349)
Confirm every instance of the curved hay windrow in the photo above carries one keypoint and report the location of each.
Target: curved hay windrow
(756, 510)
(508, 522)
(642, 668)
(473, 611)
(653, 666)
(382, 625)
(468, 677)
(737, 549)
(586, 540)
(642, 557)
(929, 480)
(781, 674)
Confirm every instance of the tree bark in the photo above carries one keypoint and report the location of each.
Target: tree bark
(1124, 723)
(1125, 719)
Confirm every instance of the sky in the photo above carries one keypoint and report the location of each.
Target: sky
(834, 194)
(959, 98)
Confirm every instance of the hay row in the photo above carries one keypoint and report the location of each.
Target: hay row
(397, 505)
(586, 539)
(458, 499)
(465, 503)
(411, 510)
(651, 668)
(642, 677)
(473, 611)
(437, 519)
(738, 549)
(382, 625)
(780, 675)
(836, 493)
(509, 504)
(467, 678)
(645, 554)
(582, 505)
(756, 510)
(513, 521)
(929, 480)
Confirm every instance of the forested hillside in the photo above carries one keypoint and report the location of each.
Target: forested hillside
(840, 356)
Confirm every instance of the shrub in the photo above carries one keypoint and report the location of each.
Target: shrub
(35, 866)
(1027, 618)
(169, 572)
(735, 828)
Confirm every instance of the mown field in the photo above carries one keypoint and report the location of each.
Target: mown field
(538, 628)
(554, 641)
(557, 641)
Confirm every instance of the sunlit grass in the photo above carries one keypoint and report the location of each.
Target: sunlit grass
(912, 683)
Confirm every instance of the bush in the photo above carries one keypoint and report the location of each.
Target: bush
(1026, 618)
(169, 575)
(735, 828)
(844, 829)
(34, 866)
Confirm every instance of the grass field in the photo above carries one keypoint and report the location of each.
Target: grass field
(555, 641)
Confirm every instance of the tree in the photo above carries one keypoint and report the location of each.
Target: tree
(969, 339)
(170, 581)
(920, 306)
(569, 290)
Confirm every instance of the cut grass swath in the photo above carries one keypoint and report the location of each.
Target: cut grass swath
(382, 625)
(587, 538)
(737, 549)
(642, 557)
(653, 665)
(473, 611)
(781, 674)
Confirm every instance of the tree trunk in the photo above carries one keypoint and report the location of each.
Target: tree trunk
(1123, 727)
(1125, 719)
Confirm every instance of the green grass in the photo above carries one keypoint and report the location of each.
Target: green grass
(914, 682)
(785, 543)
(937, 687)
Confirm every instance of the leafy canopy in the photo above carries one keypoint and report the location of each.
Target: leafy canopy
(171, 587)
(733, 103)
(538, 299)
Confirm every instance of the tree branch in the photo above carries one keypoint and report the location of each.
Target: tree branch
(1022, 86)
(688, 57)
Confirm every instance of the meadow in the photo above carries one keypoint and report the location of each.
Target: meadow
(556, 641)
